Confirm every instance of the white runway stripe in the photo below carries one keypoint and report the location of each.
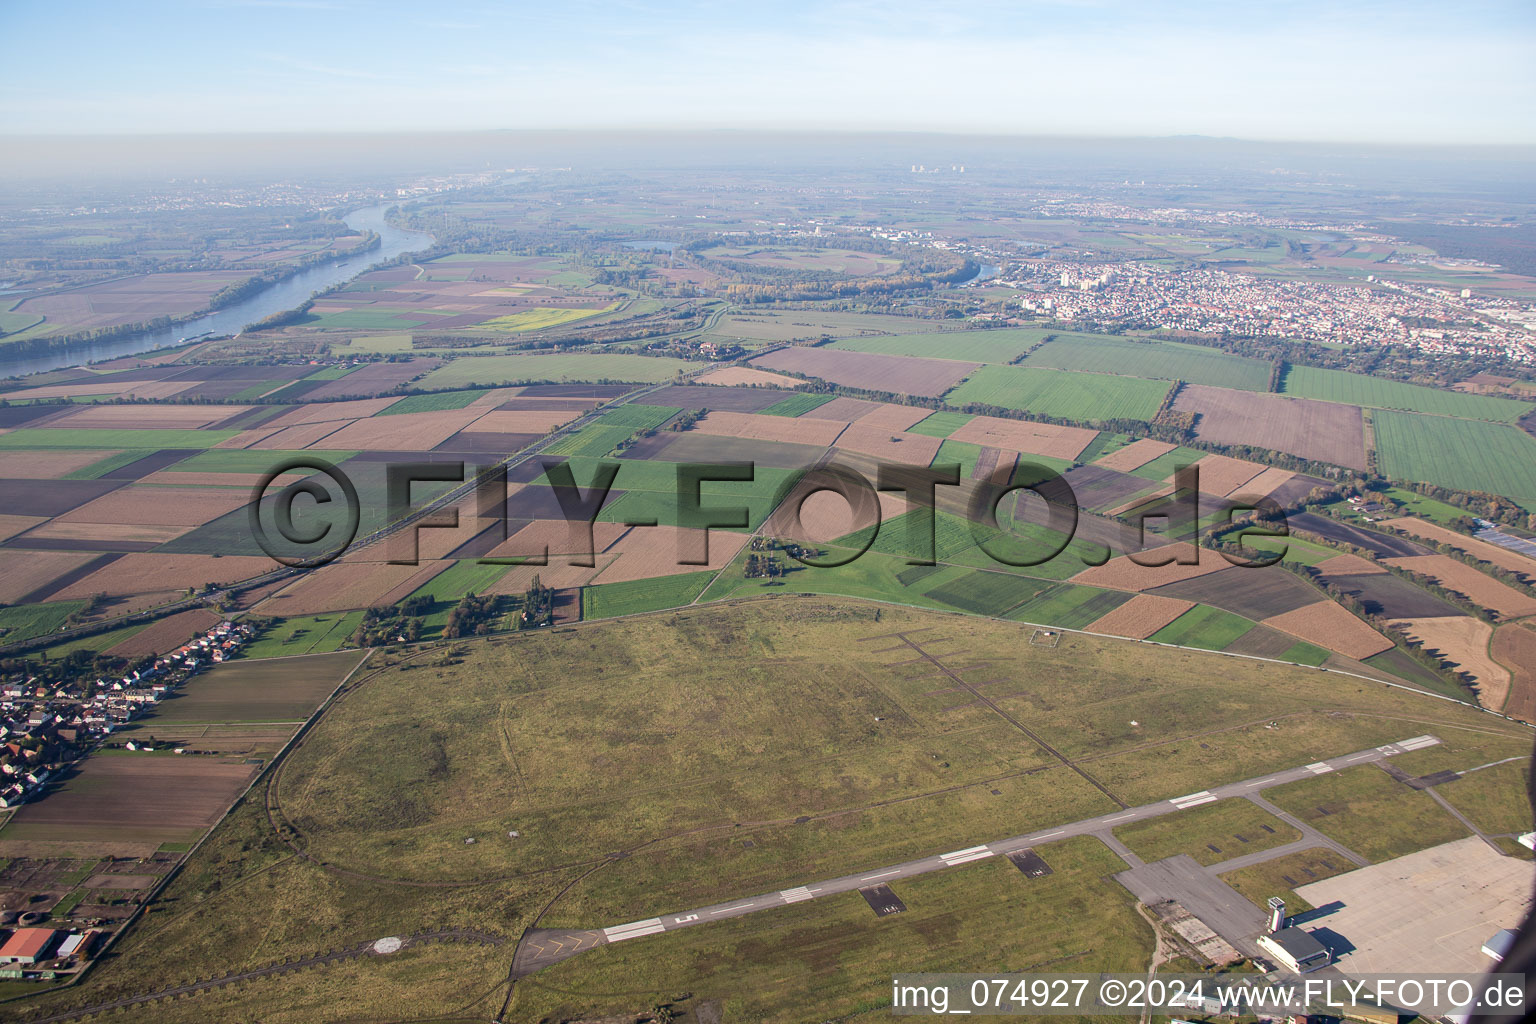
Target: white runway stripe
(633, 930)
(1319, 768)
(965, 856)
(797, 894)
(1417, 742)
(1193, 799)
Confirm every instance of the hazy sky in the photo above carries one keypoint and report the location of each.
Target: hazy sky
(1401, 71)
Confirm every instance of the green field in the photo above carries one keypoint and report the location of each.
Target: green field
(24, 621)
(962, 452)
(539, 319)
(993, 345)
(97, 470)
(797, 405)
(439, 402)
(1203, 626)
(1069, 605)
(637, 416)
(1468, 455)
(1088, 397)
(308, 634)
(606, 600)
(472, 370)
(940, 424)
(1380, 393)
(1158, 360)
(1210, 833)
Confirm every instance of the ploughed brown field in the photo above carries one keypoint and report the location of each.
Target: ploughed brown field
(134, 796)
(1325, 431)
(650, 551)
(1135, 455)
(1481, 549)
(903, 375)
(771, 428)
(1498, 597)
(1123, 574)
(146, 417)
(159, 506)
(889, 445)
(132, 300)
(1221, 475)
(49, 465)
(1463, 641)
(10, 526)
(1514, 647)
(165, 635)
(349, 584)
(132, 572)
(408, 432)
(26, 570)
(1332, 627)
(1140, 617)
(1348, 565)
(1026, 438)
(730, 376)
(1263, 485)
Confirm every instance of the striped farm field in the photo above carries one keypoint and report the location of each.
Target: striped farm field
(471, 370)
(1060, 393)
(1157, 360)
(1469, 455)
(1203, 626)
(1378, 393)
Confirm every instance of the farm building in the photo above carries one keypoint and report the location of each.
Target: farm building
(27, 945)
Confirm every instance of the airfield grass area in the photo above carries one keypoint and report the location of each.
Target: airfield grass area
(1381, 393)
(1281, 876)
(1369, 812)
(1471, 455)
(836, 956)
(614, 735)
(657, 735)
(1210, 833)
(1062, 394)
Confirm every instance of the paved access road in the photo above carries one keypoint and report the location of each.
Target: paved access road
(1103, 823)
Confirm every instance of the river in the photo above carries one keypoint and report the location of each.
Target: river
(232, 319)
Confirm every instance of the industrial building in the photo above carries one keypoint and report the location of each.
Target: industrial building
(1296, 950)
(27, 946)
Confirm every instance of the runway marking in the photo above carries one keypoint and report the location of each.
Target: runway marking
(1357, 757)
(1262, 782)
(965, 856)
(1193, 799)
(1122, 817)
(1319, 768)
(883, 874)
(1056, 833)
(633, 930)
(1417, 742)
(727, 910)
(797, 894)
